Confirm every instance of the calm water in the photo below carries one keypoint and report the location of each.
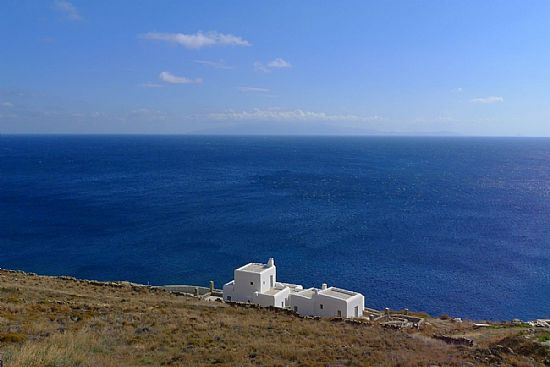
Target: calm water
(446, 225)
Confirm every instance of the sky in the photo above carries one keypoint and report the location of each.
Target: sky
(437, 67)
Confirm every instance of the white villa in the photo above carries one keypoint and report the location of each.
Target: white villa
(257, 283)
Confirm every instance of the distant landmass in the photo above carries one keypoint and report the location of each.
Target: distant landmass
(292, 128)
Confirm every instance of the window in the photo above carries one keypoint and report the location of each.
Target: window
(282, 304)
(339, 313)
(296, 309)
(321, 306)
(229, 298)
(251, 283)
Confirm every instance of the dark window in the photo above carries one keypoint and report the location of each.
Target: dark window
(321, 307)
(339, 313)
(295, 308)
(251, 283)
(229, 298)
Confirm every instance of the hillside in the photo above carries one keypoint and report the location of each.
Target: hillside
(62, 322)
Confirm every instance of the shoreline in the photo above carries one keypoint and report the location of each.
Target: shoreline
(204, 292)
(65, 321)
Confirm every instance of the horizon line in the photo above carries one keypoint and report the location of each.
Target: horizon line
(387, 135)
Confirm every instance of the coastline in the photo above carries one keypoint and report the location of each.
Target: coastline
(216, 294)
(64, 321)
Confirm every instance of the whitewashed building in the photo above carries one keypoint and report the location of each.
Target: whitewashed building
(327, 302)
(256, 283)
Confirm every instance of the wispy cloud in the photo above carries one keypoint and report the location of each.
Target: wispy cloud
(68, 9)
(258, 66)
(457, 90)
(252, 89)
(6, 104)
(286, 115)
(487, 100)
(278, 63)
(168, 77)
(214, 64)
(198, 40)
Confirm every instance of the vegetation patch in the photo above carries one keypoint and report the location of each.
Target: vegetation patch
(12, 337)
(60, 322)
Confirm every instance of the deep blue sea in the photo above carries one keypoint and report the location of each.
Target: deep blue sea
(445, 225)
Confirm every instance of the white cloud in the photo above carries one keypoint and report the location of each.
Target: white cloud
(67, 8)
(258, 66)
(168, 77)
(6, 104)
(253, 89)
(286, 115)
(214, 64)
(198, 40)
(457, 90)
(487, 100)
(278, 63)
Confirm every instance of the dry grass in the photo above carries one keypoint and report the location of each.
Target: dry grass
(56, 322)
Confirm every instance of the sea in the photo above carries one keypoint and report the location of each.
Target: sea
(457, 226)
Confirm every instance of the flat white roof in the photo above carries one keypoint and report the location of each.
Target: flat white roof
(293, 287)
(253, 267)
(308, 293)
(273, 291)
(338, 293)
(329, 292)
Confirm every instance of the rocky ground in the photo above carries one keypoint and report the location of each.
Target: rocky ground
(62, 322)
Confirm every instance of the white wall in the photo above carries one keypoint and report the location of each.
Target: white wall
(359, 301)
(281, 298)
(302, 305)
(263, 300)
(229, 291)
(331, 305)
(266, 278)
(247, 283)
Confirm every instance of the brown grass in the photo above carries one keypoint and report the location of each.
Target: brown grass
(47, 321)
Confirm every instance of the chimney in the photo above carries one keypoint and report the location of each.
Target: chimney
(270, 262)
(324, 286)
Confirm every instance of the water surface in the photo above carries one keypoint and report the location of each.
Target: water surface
(445, 225)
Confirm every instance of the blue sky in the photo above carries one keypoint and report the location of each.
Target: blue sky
(351, 67)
